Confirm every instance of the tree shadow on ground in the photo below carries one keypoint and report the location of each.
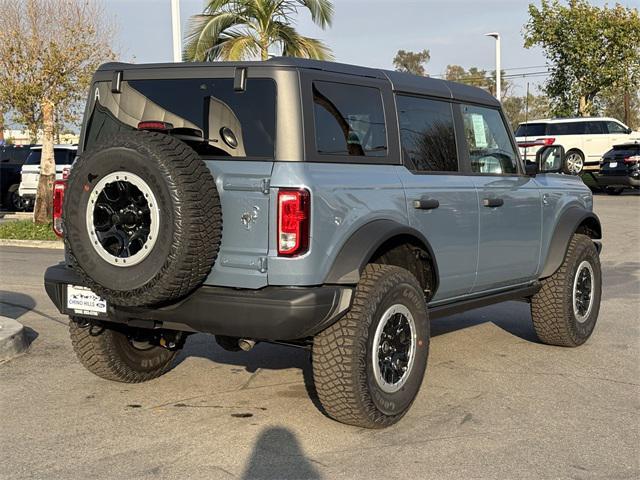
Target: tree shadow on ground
(277, 455)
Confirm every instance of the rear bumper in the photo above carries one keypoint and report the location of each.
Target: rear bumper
(271, 313)
(626, 180)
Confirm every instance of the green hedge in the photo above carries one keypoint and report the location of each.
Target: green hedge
(26, 230)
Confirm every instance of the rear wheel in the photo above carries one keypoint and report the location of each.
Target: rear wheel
(369, 365)
(565, 310)
(574, 162)
(13, 201)
(122, 354)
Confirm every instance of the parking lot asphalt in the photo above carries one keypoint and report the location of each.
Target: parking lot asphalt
(495, 403)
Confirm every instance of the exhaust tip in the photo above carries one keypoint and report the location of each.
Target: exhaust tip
(246, 344)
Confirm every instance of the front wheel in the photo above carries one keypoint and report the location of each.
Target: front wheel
(614, 190)
(369, 365)
(565, 310)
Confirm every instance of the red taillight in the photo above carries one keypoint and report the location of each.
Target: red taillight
(632, 159)
(294, 208)
(539, 142)
(155, 125)
(58, 199)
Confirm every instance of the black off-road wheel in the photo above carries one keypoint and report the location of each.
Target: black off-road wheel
(142, 219)
(614, 190)
(369, 365)
(565, 310)
(119, 354)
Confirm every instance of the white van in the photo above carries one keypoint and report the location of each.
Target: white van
(585, 139)
(64, 156)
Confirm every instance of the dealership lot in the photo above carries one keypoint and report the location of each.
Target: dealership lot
(495, 403)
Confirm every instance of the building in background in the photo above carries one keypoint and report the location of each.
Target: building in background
(21, 137)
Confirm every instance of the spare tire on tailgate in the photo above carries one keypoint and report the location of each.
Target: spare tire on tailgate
(142, 219)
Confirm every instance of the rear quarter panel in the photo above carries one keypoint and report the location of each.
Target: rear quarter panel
(344, 197)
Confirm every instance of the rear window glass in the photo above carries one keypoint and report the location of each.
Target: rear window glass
(214, 118)
(14, 155)
(349, 120)
(427, 134)
(62, 157)
(531, 130)
(567, 128)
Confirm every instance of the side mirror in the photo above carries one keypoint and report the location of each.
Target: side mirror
(551, 159)
(531, 168)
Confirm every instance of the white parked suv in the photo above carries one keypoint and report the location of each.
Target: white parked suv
(585, 139)
(30, 173)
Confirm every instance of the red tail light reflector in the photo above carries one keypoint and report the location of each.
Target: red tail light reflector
(155, 125)
(294, 207)
(632, 159)
(58, 198)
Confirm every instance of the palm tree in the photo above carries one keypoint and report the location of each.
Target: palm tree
(241, 29)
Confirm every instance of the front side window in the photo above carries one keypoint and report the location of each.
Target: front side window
(349, 120)
(616, 128)
(208, 113)
(488, 141)
(427, 134)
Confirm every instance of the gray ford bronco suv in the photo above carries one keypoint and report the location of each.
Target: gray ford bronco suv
(325, 206)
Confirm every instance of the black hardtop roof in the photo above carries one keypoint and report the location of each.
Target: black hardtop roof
(401, 82)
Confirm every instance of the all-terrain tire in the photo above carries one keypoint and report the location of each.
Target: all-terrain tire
(342, 355)
(108, 353)
(554, 315)
(189, 219)
(614, 190)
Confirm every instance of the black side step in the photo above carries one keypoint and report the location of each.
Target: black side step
(521, 293)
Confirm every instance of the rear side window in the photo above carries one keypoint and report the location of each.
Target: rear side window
(567, 128)
(490, 148)
(349, 120)
(531, 130)
(427, 134)
(595, 128)
(61, 156)
(216, 119)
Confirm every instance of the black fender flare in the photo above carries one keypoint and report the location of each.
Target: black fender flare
(568, 223)
(361, 245)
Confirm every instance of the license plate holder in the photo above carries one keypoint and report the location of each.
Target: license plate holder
(83, 301)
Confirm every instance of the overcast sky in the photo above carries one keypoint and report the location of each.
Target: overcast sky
(369, 32)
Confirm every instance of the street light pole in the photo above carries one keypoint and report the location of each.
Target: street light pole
(175, 28)
(498, 67)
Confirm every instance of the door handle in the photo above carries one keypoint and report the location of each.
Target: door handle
(493, 202)
(426, 203)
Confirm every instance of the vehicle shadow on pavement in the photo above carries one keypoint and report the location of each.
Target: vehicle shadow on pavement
(264, 356)
(277, 454)
(512, 317)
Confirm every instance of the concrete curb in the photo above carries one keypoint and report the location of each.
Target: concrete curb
(16, 215)
(13, 340)
(55, 244)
